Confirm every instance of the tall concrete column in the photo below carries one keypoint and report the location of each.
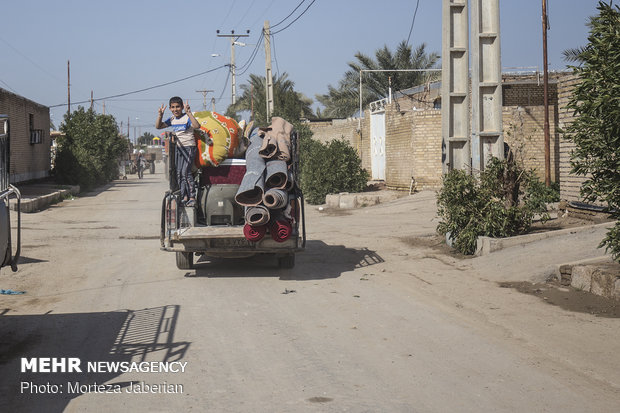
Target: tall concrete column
(455, 86)
(487, 138)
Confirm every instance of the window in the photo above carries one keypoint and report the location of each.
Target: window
(36, 135)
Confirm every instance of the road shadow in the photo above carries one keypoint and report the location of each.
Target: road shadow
(116, 336)
(319, 261)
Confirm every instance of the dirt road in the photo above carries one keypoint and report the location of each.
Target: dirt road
(375, 317)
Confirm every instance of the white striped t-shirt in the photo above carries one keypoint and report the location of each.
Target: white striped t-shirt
(183, 128)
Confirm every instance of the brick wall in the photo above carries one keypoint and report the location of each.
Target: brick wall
(28, 161)
(524, 128)
(413, 148)
(569, 183)
(413, 137)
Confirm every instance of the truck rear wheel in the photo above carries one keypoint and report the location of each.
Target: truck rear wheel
(287, 261)
(185, 260)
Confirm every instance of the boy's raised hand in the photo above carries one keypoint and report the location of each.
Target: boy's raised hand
(162, 109)
(186, 107)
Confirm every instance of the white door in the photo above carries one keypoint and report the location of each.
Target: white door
(377, 144)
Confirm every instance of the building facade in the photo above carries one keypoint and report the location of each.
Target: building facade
(30, 137)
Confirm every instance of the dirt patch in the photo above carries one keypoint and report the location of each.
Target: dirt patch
(336, 212)
(436, 243)
(568, 298)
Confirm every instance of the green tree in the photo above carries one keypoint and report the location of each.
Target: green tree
(288, 103)
(89, 151)
(146, 138)
(596, 128)
(328, 168)
(343, 100)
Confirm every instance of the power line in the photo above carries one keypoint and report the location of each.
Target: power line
(275, 59)
(145, 89)
(30, 60)
(297, 18)
(290, 14)
(246, 66)
(413, 21)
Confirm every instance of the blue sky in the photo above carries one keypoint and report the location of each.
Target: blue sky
(116, 47)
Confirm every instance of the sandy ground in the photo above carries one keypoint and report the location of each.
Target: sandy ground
(377, 316)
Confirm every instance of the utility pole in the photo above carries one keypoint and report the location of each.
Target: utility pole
(269, 76)
(68, 89)
(204, 97)
(233, 40)
(213, 104)
(91, 100)
(546, 97)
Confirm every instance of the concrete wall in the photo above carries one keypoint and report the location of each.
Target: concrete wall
(28, 161)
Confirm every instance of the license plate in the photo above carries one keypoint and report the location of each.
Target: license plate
(230, 243)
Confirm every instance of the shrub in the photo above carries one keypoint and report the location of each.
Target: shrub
(89, 151)
(329, 168)
(596, 128)
(501, 202)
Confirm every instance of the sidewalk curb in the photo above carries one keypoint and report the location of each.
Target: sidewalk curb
(40, 202)
(487, 245)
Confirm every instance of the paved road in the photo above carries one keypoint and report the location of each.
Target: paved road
(374, 318)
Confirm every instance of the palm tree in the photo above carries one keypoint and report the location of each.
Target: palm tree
(288, 103)
(344, 100)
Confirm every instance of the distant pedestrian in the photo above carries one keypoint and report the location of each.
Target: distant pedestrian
(183, 125)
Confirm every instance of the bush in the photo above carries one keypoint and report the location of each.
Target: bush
(596, 128)
(89, 152)
(329, 168)
(502, 202)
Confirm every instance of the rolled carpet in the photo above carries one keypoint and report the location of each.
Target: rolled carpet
(257, 215)
(254, 234)
(280, 229)
(252, 186)
(276, 174)
(275, 198)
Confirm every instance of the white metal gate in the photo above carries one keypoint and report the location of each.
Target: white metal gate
(377, 139)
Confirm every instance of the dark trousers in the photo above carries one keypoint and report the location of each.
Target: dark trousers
(184, 159)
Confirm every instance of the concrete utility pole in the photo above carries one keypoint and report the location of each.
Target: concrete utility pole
(546, 96)
(455, 145)
(269, 76)
(204, 97)
(233, 41)
(487, 138)
(68, 88)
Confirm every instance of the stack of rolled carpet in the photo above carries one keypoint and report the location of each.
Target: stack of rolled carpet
(267, 183)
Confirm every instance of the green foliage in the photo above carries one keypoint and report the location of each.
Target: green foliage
(288, 103)
(146, 139)
(343, 101)
(88, 154)
(328, 168)
(596, 128)
(502, 202)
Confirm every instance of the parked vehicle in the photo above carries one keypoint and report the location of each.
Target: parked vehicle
(215, 227)
(7, 192)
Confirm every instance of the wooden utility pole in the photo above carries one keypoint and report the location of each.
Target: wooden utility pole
(546, 97)
(68, 89)
(268, 76)
(91, 100)
(204, 97)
